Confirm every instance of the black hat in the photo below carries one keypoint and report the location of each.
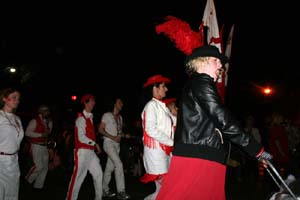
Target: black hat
(207, 51)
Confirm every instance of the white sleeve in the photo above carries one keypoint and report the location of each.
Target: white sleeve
(81, 125)
(151, 126)
(30, 129)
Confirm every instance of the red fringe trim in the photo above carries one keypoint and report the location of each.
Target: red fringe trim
(167, 149)
(151, 143)
(151, 177)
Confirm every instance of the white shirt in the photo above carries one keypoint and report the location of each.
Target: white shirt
(112, 126)
(158, 125)
(157, 122)
(11, 132)
(81, 127)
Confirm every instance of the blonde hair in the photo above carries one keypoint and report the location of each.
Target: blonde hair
(193, 65)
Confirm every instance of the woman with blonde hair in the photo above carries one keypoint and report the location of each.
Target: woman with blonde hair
(197, 168)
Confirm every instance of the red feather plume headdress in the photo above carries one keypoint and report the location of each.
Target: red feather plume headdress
(181, 34)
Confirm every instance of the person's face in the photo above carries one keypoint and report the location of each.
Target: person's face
(213, 68)
(160, 91)
(90, 104)
(12, 101)
(46, 114)
(119, 104)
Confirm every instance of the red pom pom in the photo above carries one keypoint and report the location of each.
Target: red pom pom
(181, 34)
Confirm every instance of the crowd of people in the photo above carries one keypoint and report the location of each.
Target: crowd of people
(176, 143)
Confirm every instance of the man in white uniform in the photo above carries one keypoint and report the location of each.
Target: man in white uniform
(37, 133)
(85, 158)
(111, 128)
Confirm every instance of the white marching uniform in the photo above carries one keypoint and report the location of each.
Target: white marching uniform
(158, 142)
(11, 135)
(39, 151)
(158, 126)
(85, 158)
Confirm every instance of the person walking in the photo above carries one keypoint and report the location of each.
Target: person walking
(11, 135)
(158, 132)
(110, 127)
(85, 158)
(37, 132)
(198, 169)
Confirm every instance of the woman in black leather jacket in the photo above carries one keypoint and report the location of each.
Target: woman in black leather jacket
(198, 168)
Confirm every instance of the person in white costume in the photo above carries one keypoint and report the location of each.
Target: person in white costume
(110, 127)
(37, 132)
(11, 135)
(85, 158)
(158, 133)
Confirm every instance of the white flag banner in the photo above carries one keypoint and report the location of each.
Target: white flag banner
(210, 21)
(228, 52)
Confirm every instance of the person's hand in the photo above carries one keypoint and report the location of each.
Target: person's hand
(45, 134)
(264, 157)
(117, 138)
(98, 149)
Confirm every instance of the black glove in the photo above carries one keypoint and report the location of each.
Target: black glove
(265, 155)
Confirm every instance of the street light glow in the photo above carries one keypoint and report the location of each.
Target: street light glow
(73, 97)
(12, 70)
(267, 91)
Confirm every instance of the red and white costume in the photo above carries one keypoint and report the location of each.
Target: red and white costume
(85, 158)
(158, 140)
(39, 151)
(11, 136)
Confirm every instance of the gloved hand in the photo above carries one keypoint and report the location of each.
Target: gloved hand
(265, 156)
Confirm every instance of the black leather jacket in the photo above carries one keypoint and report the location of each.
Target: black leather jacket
(203, 124)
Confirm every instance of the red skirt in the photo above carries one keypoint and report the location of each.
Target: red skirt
(193, 178)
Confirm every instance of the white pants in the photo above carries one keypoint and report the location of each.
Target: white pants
(38, 171)
(85, 160)
(9, 177)
(113, 164)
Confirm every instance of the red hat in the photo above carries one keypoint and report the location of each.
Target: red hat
(156, 79)
(86, 97)
(167, 101)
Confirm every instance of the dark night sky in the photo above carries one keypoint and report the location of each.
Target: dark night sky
(112, 47)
